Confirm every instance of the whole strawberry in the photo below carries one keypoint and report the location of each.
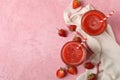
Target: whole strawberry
(62, 33)
(72, 70)
(76, 4)
(72, 27)
(92, 76)
(89, 65)
(61, 73)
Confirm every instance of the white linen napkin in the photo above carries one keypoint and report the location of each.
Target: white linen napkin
(104, 46)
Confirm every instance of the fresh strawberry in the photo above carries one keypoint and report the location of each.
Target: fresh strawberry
(72, 70)
(78, 39)
(61, 73)
(89, 65)
(62, 33)
(72, 27)
(92, 76)
(76, 4)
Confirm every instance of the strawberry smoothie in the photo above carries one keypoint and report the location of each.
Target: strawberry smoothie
(73, 53)
(91, 22)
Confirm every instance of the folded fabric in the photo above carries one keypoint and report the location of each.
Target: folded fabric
(104, 46)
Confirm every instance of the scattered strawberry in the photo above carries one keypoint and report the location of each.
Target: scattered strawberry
(92, 76)
(61, 73)
(76, 4)
(62, 33)
(72, 27)
(89, 65)
(78, 39)
(72, 70)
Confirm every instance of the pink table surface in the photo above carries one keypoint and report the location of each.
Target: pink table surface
(29, 44)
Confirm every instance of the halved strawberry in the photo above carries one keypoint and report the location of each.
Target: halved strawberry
(92, 76)
(72, 27)
(76, 4)
(61, 73)
(62, 33)
(72, 70)
(89, 65)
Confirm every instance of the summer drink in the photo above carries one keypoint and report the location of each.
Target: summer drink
(91, 22)
(73, 53)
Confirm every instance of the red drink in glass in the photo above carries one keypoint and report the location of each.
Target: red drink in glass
(73, 53)
(91, 22)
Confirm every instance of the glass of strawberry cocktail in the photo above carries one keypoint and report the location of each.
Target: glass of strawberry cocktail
(73, 53)
(91, 22)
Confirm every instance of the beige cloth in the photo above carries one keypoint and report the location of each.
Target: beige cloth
(104, 46)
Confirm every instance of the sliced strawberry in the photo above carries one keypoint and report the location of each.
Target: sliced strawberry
(72, 27)
(61, 73)
(76, 4)
(77, 39)
(72, 70)
(62, 33)
(89, 65)
(92, 76)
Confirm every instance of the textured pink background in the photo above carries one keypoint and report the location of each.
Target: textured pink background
(29, 44)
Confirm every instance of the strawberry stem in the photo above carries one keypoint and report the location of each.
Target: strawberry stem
(57, 29)
(61, 68)
(78, 1)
